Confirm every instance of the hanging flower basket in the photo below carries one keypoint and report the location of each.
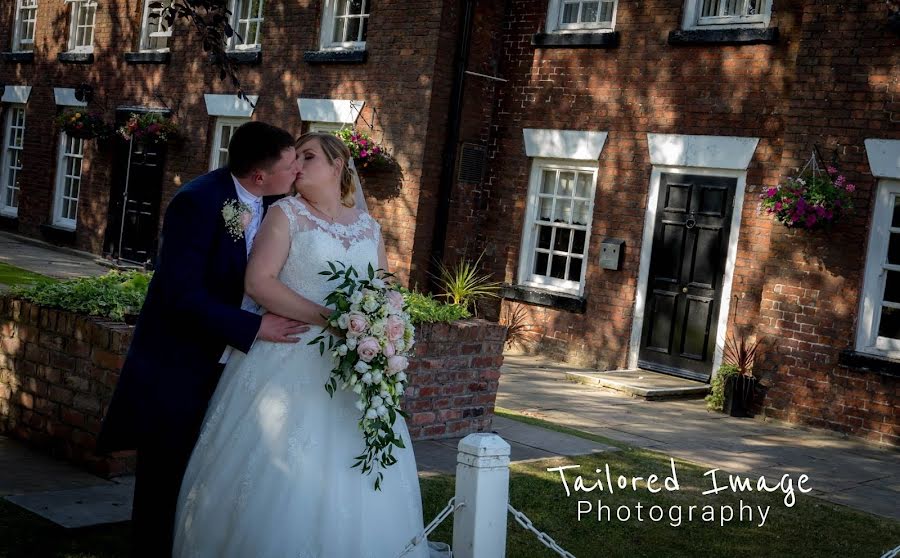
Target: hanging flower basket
(813, 199)
(150, 127)
(365, 151)
(83, 125)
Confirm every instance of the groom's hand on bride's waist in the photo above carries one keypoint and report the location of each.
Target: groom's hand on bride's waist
(279, 329)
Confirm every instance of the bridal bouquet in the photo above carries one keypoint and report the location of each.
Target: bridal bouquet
(371, 358)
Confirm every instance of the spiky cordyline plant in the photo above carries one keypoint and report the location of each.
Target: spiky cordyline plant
(463, 284)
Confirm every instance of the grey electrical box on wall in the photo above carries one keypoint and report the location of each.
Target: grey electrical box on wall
(611, 253)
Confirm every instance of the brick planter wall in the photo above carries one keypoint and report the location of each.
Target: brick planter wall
(58, 371)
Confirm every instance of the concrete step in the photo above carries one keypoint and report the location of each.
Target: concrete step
(642, 383)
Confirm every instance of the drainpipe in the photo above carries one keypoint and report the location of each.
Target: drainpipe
(448, 163)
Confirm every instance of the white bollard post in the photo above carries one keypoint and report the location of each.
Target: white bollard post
(482, 484)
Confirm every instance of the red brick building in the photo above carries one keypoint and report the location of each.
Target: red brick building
(608, 158)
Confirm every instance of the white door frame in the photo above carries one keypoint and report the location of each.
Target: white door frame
(736, 154)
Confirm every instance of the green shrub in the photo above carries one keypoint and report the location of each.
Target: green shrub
(425, 309)
(109, 296)
(715, 400)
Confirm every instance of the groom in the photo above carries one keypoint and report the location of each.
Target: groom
(194, 314)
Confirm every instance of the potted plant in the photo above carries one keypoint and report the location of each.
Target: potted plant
(734, 386)
(83, 125)
(152, 127)
(365, 151)
(813, 199)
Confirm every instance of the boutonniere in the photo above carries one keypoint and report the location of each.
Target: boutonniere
(237, 217)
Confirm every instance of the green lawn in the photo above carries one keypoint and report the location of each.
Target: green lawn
(13, 276)
(811, 527)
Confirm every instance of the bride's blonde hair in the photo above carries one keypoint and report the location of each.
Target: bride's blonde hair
(334, 148)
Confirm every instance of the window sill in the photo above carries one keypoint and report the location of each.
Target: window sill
(608, 39)
(540, 297)
(244, 57)
(58, 235)
(76, 57)
(738, 36)
(335, 56)
(871, 363)
(148, 57)
(18, 57)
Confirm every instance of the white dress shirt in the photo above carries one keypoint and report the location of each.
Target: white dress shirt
(255, 204)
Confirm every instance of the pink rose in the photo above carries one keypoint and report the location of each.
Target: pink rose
(395, 328)
(368, 349)
(395, 299)
(396, 364)
(245, 219)
(389, 350)
(357, 323)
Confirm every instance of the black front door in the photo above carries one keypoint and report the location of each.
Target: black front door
(684, 288)
(138, 188)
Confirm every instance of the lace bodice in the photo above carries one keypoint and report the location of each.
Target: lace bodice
(315, 242)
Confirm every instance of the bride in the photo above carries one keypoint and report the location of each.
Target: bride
(271, 473)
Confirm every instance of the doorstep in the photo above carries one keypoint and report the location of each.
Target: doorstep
(646, 384)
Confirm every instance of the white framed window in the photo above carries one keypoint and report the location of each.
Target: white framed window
(345, 24)
(246, 20)
(68, 181)
(225, 128)
(154, 32)
(23, 26)
(81, 26)
(727, 13)
(11, 159)
(557, 227)
(575, 15)
(326, 126)
(879, 321)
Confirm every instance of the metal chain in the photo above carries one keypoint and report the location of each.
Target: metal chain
(892, 553)
(523, 520)
(451, 507)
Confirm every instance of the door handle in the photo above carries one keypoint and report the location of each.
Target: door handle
(684, 290)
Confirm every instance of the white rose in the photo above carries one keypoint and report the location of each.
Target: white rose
(377, 328)
(398, 387)
(399, 345)
(351, 343)
(357, 389)
(382, 410)
(376, 378)
(360, 405)
(367, 378)
(401, 376)
(371, 414)
(377, 401)
(370, 304)
(342, 350)
(377, 283)
(356, 298)
(362, 367)
(343, 321)
(384, 392)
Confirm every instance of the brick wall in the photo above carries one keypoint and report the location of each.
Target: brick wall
(404, 84)
(832, 80)
(58, 371)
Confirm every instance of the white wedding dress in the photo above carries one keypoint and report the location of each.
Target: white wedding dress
(271, 473)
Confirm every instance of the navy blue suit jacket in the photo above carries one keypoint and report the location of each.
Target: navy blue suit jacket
(191, 313)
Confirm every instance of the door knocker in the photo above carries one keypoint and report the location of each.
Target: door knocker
(691, 222)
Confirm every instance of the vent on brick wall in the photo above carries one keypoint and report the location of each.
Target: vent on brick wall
(471, 163)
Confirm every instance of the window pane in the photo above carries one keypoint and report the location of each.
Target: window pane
(546, 208)
(548, 181)
(563, 211)
(540, 263)
(589, 12)
(544, 234)
(710, 7)
(339, 24)
(889, 326)
(893, 256)
(570, 13)
(353, 29)
(892, 287)
(356, 7)
(558, 269)
(581, 213)
(895, 221)
(583, 188)
(606, 11)
(561, 242)
(566, 184)
(578, 242)
(365, 29)
(575, 269)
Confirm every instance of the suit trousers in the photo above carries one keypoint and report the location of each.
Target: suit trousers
(161, 463)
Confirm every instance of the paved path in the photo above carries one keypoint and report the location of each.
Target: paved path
(46, 259)
(844, 471)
